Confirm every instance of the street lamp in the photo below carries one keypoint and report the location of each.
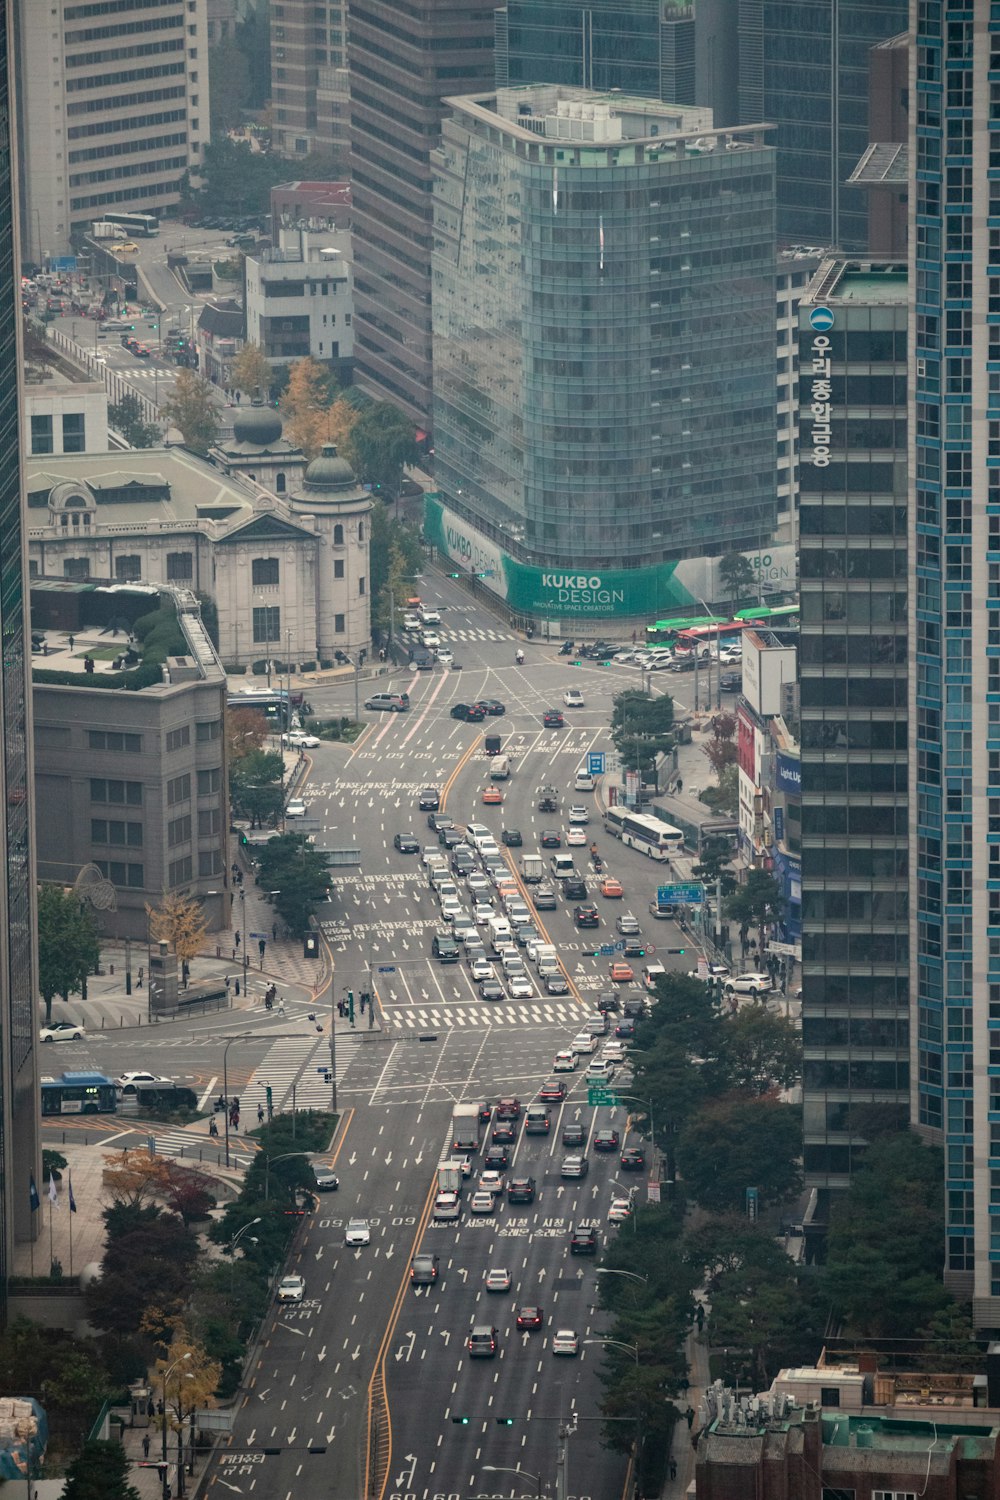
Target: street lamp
(632, 1349)
(269, 1162)
(163, 1424)
(234, 1242)
(505, 1469)
(634, 1098)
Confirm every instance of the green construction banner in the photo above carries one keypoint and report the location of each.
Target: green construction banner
(562, 589)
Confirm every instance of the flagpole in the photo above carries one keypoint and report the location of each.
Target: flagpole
(50, 1237)
(72, 1211)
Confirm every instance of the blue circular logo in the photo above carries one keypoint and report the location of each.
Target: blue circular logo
(821, 318)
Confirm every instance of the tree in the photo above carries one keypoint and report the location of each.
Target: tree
(306, 406)
(737, 578)
(950, 1342)
(735, 1143)
(761, 1051)
(135, 1178)
(187, 1193)
(180, 922)
(757, 902)
(395, 560)
(721, 749)
(256, 786)
(100, 1472)
(229, 84)
(250, 371)
(383, 440)
(246, 731)
(756, 1304)
(713, 866)
(238, 180)
(68, 948)
(641, 727)
(192, 410)
(190, 1377)
(725, 797)
(145, 1270)
(297, 872)
(126, 417)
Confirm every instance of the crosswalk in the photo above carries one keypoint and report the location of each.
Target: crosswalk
(480, 1017)
(475, 635)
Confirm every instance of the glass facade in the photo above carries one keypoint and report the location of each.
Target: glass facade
(804, 66)
(643, 47)
(954, 238)
(603, 322)
(854, 733)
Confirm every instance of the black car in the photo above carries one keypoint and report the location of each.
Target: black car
(526, 933)
(406, 843)
(492, 706)
(473, 713)
(556, 984)
(574, 889)
(730, 682)
(553, 719)
(607, 1000)
(574, 1135)
(521, 1190)
(504, 1132)
(429, 799)
(450, 838)
(625, 1028)
(511, 837)
(423, 1270)
(551, 838)
(583, 1240)
(439, 820)
(633, 1159)
(586, 916)
(496, 1158)
(606, 1140)
(683, 663)
(491, 989)
(634, 1007)
(485, 1111)
(462, 861)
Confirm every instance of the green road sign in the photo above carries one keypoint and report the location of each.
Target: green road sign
(601, 1096)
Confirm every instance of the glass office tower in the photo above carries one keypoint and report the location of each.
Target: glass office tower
(954, 453)
(19, 1099)
(603, 317)
(853, 712)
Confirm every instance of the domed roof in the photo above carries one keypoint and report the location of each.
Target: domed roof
(258, 424)
(328, 472)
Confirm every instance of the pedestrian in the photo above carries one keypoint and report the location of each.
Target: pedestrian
(229, 980)
(673, 1468)
(689, 1416)
(260, 1114)
(281, 1007)
(150, 1409)
(72, 642)
(145, 1445)
(235, 869)
(633, 637)
(159, 1408)
(213, 1129)
(236, 1120)
(274, 932)
(140, 976)
(236, 939)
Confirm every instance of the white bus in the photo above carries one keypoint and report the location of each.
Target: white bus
(640, 831)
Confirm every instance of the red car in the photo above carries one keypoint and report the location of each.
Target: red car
(529, 1317)
(508, 1108)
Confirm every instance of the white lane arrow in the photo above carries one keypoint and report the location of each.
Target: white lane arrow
(229, 1486)
(390, 1253)
(329, 1436)
(541, 1273)
(388, 1159)
(404, 1481)
(322, 1353)
(405, 1350)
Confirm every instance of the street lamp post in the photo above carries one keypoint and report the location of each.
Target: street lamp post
(163, 1422)
(234, 1242)
(634, 1098)
(630, 1193)
(522, 1473)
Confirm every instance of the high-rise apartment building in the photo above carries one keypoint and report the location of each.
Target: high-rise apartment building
(646, 48)
(404, 61)
(805, 67)
(954, 487)
(604, 389)
(853, 710)
(19, 1146)
(309, 90)
(113, 114)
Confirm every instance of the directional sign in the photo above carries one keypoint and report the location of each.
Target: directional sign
(264, 935)
(606, 950)
(602, 1096)
(595, 762)
(620, 946)
(387, 968)
(689, 894)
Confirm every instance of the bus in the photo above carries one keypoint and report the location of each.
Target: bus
(273, 703)
(643, 832)
(139, 226)
(703, 637)
(781, 614)
(79, 1094)
(665, 632)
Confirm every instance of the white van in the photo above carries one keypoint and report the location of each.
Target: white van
(475, 833)
(429, 617)
(499, 768)
(500, 933)
(562, 866)
(584, 781)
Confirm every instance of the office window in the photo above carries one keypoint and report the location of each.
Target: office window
(338, 568)
(178, 738)
(41, 435)
(180, 567)
(179, 871)
(178, 790)
(122, 874)
(128, 793)
(266, 624)
(128, 569)
(115, 831)
(74, 432)
(361, 585)
(76, 567)
(111, 739)
(264, 571)
(209, 781)
(208, 729)
(338, 624)
(338, 535)
(209, 863)
(209, 822)
(179, 831)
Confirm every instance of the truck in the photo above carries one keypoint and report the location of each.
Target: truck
(450, 1176)
(102, 230)
(465, 1129)
(532, 868)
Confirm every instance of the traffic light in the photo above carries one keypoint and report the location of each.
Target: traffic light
(461, 1421)
(676, 950)
(350, 1006)
(454, 575)
(505, 1421)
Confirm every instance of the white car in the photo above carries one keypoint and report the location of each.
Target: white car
(444, 656)
(447, 1206)
(715, 971)
(620, 1211)
(357, 1232)
(579, 814)
(520, 987)
(481, 913)
(451, 908)
(614, 1051)
(573, 698)
(575, 837)
(599, 1070)
(299, 740)
(565, 1062)
(431, 640)
(291, 1289)
(755, 983)
(481, 969)
(464, 929)
(584, 1043)
(565, 1341)
(433, 858)
(482, 1203)
(491, 1182)
(411, 622)
(479, 884)
(62, 1031)
(296, 808)
(127, 1081)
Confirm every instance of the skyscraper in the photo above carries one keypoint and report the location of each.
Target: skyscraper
(604, 391)
(19, 1101)
(403, 61)
(116, 113)
(309, 90)
(954, 490)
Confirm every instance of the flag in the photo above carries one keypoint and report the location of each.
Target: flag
(72, 1200)
(53, 1195)
(33, 1197)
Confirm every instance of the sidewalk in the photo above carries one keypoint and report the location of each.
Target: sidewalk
(682, 1447)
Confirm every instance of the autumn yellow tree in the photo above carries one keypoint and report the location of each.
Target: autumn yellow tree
(134, 1177)
(246, 731)
(306, 405)
(250, 371)
(179, 922)
(187, 1379)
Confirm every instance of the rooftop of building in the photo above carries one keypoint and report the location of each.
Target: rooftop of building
(222, 319)
(334, 194)
(141, 487)
(861, 281)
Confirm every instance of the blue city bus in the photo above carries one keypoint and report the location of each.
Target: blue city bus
(79, 1094)
(273, 704)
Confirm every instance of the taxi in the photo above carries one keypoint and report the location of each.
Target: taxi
(621, 973)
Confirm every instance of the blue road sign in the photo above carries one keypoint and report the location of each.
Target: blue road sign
(387, 968)
(63, 263)
(606, 950)
(821, 319)
(264, 935)
(595, 762)
(688, 894)
(620, 946)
